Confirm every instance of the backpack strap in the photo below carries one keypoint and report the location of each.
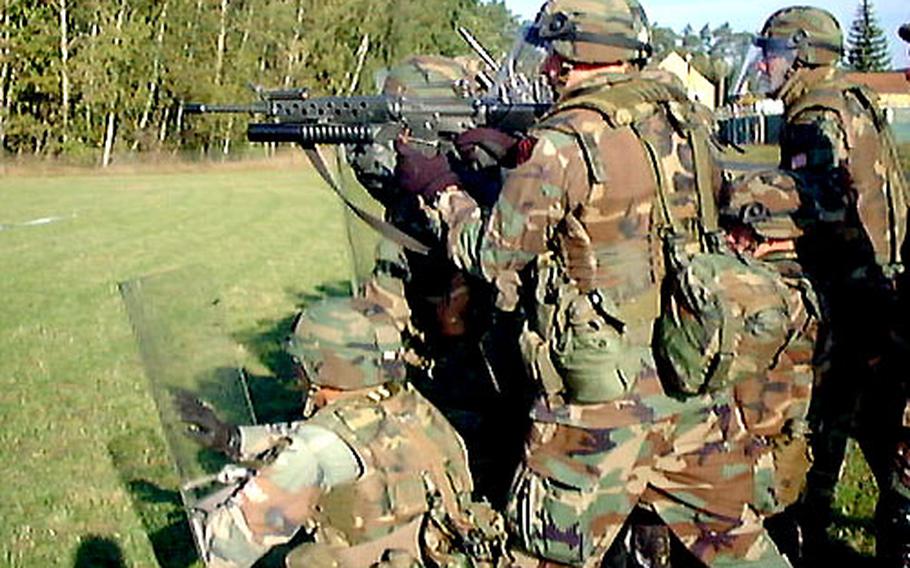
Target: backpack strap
(831, 95)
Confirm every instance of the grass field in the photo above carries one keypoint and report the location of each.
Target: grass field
(86, 477)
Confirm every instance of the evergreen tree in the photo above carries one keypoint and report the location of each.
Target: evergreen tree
(867, 46)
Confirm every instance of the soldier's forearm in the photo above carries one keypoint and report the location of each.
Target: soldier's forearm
(257, 440)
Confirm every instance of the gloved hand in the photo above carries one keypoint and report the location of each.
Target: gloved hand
(480, 145)
(204, 426)
(421, 175)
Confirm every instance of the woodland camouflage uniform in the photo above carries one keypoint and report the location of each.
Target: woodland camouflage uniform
(836, 138)
(619, 154)
(376, 474)
(470, 365)
(773, 397)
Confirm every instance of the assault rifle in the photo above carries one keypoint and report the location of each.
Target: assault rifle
(298, 118)
(431, 124)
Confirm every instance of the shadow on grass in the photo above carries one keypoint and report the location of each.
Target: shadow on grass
(337, 289)
(145, 471)
(99, 552)
(856, 523)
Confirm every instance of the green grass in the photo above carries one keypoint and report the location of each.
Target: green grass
(904, 150)
(854, 504)
(86, 478)
(759, 154)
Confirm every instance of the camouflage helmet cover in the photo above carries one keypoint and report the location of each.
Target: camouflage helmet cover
(348, 344)
(768, 201)
(428, 76)
(425, 76)
(813, 33)
(596, 31)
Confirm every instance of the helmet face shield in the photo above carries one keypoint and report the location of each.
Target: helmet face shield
(521, 77)
(766, 67)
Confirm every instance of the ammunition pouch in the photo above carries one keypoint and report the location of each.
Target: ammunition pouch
(780, 472)
(475, 538)
(392, 549)
(545, 506)
(575, 349)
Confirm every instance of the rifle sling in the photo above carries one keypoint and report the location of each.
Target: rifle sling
(384, 228)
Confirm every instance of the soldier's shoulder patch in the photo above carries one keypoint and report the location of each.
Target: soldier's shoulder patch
(799, 161)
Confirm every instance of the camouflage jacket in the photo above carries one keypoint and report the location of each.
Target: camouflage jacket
(777, 398)
(836, 136)
(586, 195)
(771, 404)
(356, 474)
(584, 209)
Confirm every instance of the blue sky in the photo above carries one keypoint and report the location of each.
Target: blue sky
(746, 15)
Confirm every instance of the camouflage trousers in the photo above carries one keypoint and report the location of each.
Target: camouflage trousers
(578, 484)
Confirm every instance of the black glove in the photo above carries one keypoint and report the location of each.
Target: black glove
(419, 174)
(204, 426)
(483, 145)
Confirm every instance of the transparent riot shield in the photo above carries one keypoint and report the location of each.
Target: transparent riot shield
(362, 239)
(178, 323)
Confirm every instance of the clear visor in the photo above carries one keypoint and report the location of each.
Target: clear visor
(765, 68)
(521, 77)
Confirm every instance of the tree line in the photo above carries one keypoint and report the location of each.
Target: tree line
(90, 78)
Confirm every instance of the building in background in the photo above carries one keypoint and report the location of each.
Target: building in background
(698, 87)
(893, 88)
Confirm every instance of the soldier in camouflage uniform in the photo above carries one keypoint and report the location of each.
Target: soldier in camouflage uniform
(764, 215)
(376, 473)
(575, 234)
(471, 368)
(836, 138)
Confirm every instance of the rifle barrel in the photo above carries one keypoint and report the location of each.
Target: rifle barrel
(205, 108)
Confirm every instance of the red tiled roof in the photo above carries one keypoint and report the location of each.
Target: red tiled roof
(892, 82)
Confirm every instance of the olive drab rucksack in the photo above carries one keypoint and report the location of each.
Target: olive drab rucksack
(716, 307)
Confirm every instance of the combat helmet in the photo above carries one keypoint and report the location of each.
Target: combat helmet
(814, 34)
(768, 201)
(347, 344)
(596, 31)
(425, 76)
(428, 76)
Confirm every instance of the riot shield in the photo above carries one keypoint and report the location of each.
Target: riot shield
(362, 239)
(178, 323)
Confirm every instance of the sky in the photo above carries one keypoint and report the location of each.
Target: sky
(749, 16)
